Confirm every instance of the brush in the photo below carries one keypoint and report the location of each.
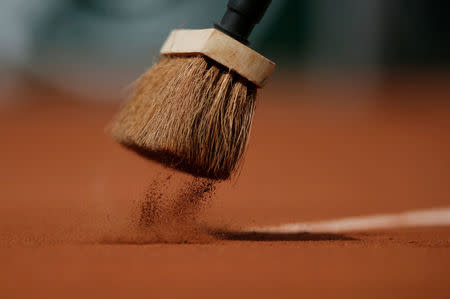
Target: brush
(194, 108)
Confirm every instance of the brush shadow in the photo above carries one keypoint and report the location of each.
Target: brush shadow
(278, 237)
(210, 235)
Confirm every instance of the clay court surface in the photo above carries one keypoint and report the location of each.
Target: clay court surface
(317, 153)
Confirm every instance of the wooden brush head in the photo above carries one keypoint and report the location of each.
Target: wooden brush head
(223, 49)
(193, 110)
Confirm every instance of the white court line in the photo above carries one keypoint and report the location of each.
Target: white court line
(419, 218)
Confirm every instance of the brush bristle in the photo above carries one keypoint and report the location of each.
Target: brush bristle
(190, 114)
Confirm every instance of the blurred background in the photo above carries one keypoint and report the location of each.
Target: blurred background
(354, 122)
(94, 48)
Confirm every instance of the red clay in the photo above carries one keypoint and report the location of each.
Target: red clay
(69, 196)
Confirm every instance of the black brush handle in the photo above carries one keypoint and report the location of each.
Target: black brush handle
(241, 17)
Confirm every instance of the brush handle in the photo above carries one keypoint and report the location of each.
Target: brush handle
(241, 17)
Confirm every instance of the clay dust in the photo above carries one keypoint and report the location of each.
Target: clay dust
(169, 212)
